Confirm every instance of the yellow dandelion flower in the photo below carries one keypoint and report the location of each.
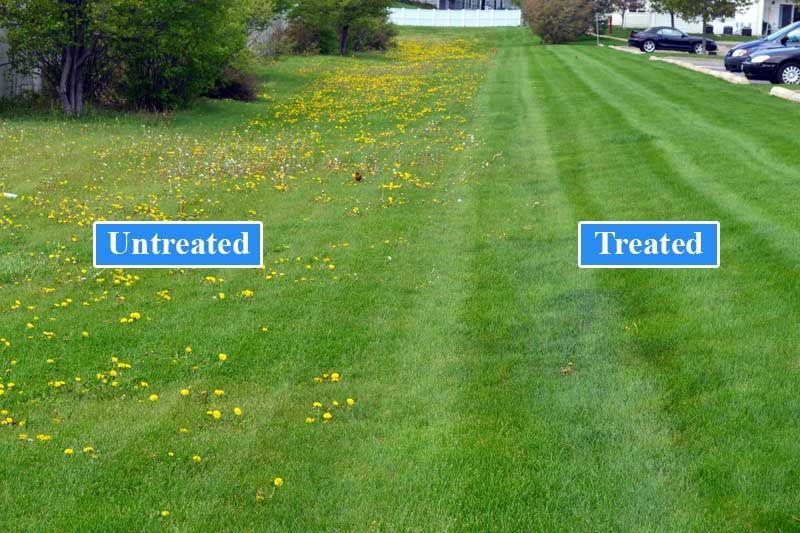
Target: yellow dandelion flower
(278, 482)
(351, 402)
(216, 414)
(222, 357)
(153, 397)
(69, 451)
(310, 420)
(85, 334)
(237, 411)
(335, 376)
(188, 349)
(326, 416)
(197, 459)
(316, 405)
(185, 392)
(219, 392)
(164, 513)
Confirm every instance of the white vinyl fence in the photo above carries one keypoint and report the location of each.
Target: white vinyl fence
(455, 18)
(12, 83)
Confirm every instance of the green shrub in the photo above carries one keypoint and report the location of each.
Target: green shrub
(373, 34)
(176, 50)
(238, 80)
(558, 21)
(152, 54)
(340, 26)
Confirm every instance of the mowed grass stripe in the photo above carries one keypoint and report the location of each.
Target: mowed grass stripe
(546, 449)
(702, 336)
(580, 126)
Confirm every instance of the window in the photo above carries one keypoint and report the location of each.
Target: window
(667, 32)
(793, 36)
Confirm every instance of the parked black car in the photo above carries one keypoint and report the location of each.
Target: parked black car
(778, 65)
(664, 38)
(779, 39)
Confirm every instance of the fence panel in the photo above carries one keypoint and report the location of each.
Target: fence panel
(455, 18)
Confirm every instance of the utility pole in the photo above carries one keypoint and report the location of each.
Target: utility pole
(597, 27)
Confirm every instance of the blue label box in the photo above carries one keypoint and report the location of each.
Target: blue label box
(152, 244)
(636, 244)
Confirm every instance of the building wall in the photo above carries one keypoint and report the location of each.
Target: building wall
(750, 17)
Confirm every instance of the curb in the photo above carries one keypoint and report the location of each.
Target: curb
(786, 94)
(627, 49)
(727, 76)
(608, 37)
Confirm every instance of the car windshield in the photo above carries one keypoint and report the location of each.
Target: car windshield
(781, 32)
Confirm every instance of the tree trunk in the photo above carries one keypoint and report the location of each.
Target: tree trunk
(344, 33)
(703, 34)
(63, 84)
(70, 86)
(672, 18)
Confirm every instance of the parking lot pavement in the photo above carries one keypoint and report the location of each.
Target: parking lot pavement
(715, 65)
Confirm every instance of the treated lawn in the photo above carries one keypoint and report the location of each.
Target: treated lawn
(443, 288)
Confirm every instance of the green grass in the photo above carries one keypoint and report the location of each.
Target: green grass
(450, 312)
(730, 38)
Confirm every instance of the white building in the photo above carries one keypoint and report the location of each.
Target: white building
(761, 17)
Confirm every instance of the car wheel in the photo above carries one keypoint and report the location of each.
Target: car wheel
(697, 48)
(789, 73)
(648, 46)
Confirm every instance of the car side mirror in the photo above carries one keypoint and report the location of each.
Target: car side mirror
(784, 40)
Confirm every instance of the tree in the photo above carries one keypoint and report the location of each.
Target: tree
(172, 51)
(667, 6)
(259, 14)
(55, 37)
(339, 17)
(624, 6)
(705, 10)
(558, 21)
(156, 53)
